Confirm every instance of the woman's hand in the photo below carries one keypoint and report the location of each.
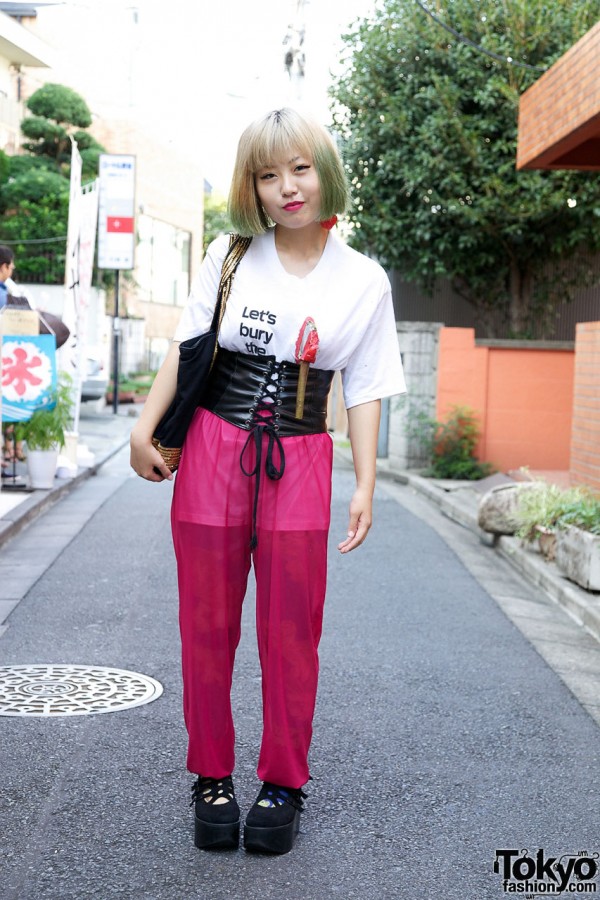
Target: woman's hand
(361, 518)
(145, 458)
(363, 427)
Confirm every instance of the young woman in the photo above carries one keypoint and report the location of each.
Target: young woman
(254, 482)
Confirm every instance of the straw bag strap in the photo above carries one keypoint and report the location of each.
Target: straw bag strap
(237, 248)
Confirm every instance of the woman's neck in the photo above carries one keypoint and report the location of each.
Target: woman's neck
(300, 249)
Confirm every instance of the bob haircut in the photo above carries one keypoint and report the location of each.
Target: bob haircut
(269, 138)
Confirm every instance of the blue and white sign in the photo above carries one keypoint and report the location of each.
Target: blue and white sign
(29, 377)
(116, 211)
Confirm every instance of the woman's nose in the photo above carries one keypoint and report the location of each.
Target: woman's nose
(288, 186)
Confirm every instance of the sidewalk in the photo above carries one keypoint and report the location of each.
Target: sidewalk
(459, 501)
(105, 434)
(101, 432)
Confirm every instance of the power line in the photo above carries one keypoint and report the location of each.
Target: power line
(465, 40)
(34, 240)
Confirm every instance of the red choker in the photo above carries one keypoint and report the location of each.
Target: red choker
(329, 223)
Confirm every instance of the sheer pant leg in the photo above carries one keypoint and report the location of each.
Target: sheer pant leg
(291, 574)
(212, 565)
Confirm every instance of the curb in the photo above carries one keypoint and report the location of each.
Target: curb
(584, 607)
(40, 501)
(581, 605)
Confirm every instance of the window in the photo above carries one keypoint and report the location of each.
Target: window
(163, 261)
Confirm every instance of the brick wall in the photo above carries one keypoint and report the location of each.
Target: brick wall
(585, 435)
(559, 115)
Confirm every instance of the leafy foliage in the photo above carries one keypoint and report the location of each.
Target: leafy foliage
(60, 103)
(19, 165)
(216, 220)
(4, 166)
(551, 507)
(584, 512)
(46, 428)
(59, 113)
(33, 186)
(429, 128)
(450, 445)
(34, 197)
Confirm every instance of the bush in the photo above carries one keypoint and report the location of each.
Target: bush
(551, 507)
(450, 445)
(60, 103)
(583, 512)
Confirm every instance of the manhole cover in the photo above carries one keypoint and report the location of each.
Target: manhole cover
(55, 690)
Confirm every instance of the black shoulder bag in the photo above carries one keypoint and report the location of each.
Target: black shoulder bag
(196, 358)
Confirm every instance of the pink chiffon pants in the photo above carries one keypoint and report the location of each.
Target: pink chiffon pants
(212, 526)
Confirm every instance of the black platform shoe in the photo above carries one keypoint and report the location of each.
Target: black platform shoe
(274, 820)
(216, 824)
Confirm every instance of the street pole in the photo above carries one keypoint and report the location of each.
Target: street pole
(116, 333)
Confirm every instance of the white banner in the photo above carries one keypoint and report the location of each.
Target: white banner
(73, 228)
(81, 239)
(87, 245)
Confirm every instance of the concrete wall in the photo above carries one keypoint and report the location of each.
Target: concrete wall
(418, 343)
(585, 435)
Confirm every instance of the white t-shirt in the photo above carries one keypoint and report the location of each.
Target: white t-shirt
(347, 294)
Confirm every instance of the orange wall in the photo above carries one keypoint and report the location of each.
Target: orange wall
(522, 395)
(585, 439)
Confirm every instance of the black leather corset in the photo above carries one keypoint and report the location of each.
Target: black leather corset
(242, 388)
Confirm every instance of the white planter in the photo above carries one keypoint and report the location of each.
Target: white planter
(578, 556)
(42, 468)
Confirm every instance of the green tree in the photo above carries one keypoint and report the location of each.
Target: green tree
(34, 189)
(216, 220)
(429, 128)
(58, 113)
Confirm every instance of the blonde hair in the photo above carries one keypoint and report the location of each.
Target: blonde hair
(269, 139)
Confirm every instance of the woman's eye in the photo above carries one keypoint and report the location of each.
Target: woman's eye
(266, 176)
(302, 167)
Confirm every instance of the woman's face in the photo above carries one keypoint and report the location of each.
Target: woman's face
(289, 190)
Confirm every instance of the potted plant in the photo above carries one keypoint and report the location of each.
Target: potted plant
(538, 513)
(578, 541)
(44, 434)
(566, 524)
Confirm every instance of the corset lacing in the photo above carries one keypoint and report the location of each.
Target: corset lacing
(264, 419)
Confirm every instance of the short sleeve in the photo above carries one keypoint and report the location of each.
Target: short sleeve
(198, 312)
(374, 369)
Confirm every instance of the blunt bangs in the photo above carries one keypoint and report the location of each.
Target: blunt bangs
(273, 137)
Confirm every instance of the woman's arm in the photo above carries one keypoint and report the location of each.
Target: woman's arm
(363, 422)
(144, 457)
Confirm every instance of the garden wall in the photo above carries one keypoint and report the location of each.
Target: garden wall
(585, 437)
(522, 392)
(418, 342)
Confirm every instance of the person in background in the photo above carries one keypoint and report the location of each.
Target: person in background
(7, 266)
(254, 482)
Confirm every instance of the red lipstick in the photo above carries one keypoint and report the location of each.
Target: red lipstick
(295, 204)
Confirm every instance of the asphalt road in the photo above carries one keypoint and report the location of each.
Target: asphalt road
(441, 735)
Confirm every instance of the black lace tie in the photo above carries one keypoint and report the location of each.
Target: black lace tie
(264, 419)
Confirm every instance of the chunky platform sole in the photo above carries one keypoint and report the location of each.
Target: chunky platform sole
(272, 840)
(213, 836)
